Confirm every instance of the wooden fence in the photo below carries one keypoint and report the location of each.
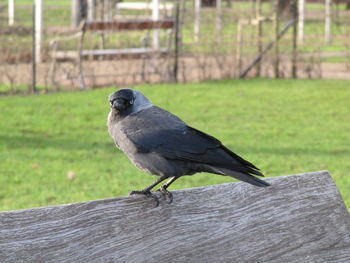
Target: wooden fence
(300, 218)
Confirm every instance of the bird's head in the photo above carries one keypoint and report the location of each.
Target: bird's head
(127, 101)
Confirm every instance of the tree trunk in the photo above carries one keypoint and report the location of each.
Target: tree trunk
(79, 11)
(208, 3)
(285, 9)
(212, 3)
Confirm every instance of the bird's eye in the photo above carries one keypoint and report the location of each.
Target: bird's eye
(131, 102)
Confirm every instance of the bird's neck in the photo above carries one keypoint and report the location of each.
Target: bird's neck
(115, 116)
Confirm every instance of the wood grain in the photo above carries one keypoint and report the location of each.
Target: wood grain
(300, 218)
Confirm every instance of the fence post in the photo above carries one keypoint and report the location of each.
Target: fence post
(197, 19)
(38, 29)
(76, 12)
(239, 48)
(91, 9)
(155, 17)
(11, 10)
(107, 10)
(328, 21)
(295, 38)
(177, 42)
(219, 18)
(277, 29)
(32, 88)
(301, 8)
(79, 10)
(260, 35)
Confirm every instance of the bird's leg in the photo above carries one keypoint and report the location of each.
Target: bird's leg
(147, 190)
(164, 190)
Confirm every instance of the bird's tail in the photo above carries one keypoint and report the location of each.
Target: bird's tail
(243, 177)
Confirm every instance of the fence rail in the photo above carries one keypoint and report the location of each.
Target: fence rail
(300, 218)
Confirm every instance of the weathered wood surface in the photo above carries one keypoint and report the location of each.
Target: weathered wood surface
(300, 218)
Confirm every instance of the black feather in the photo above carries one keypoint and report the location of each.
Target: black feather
(189, 144)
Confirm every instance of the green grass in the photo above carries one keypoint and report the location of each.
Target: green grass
(282, 126)
(12, 89)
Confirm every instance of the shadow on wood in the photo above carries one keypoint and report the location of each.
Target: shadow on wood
(300, 218)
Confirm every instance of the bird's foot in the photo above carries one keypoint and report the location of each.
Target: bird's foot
(166, 193)
(147, 194)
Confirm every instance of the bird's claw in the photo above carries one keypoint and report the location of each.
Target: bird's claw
(165, 192)
(147, 194)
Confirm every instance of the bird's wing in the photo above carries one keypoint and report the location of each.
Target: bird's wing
(159, 131)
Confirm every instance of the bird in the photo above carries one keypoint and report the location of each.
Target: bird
(160, 143)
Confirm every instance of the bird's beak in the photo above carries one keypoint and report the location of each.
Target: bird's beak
(115, 104)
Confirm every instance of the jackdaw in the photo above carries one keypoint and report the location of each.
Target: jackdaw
(160, 143)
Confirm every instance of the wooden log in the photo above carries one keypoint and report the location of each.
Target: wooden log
(300, 218)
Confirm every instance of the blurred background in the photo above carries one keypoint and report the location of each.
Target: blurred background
(208, 40)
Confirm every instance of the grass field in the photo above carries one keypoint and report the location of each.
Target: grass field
(282, 126)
